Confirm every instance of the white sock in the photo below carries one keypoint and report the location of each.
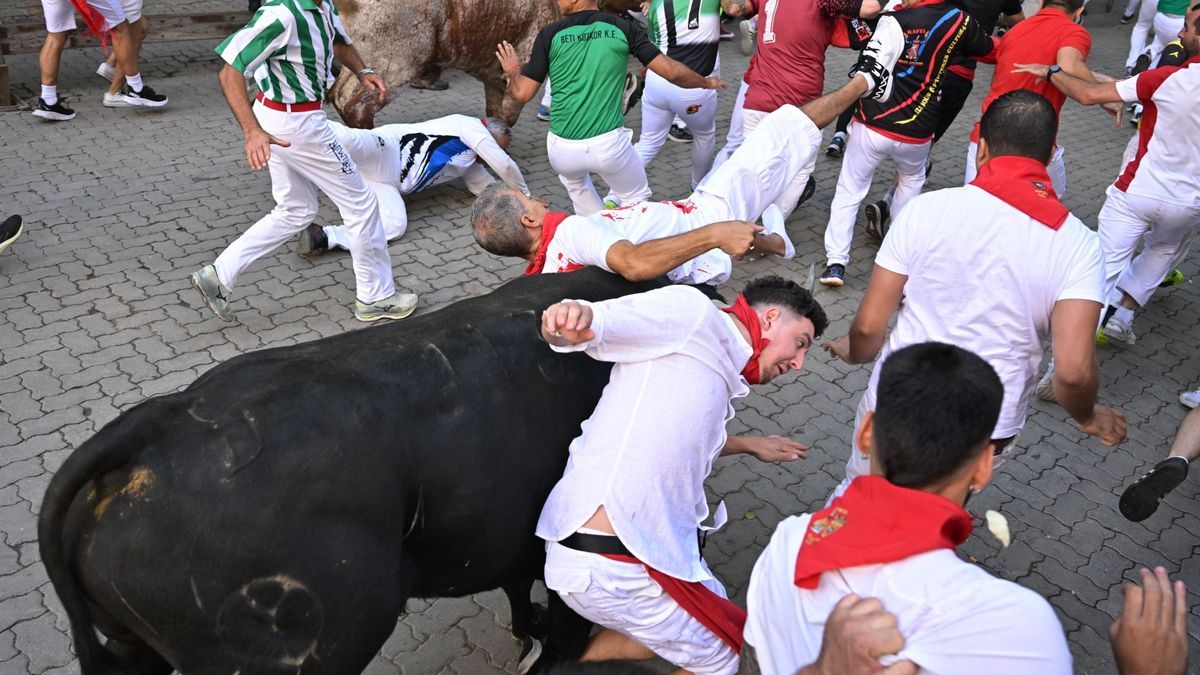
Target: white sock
(50, 93)
(336, 236)
(1124, 315)
(134, 81)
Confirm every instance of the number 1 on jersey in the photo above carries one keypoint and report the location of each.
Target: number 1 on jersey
(768, 35)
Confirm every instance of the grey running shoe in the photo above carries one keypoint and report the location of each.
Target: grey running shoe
(878, 219)
(398, 306)
(313, 241)
(213, 292)
(1045, 386)
(1120, 331)
(748, 37)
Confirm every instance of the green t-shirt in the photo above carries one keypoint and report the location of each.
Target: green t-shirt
(1178, 7)
(585, 56)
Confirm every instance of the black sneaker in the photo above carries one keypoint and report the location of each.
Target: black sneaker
(1140, 500)
(680, 134)
(834, 275)
(1126, 18)
(313, 242)
(632, 92)
(809, 189)
(58, 112)
(878, 219)
(145, 98)
(9, 231)
(837, 145)
(1142, 64)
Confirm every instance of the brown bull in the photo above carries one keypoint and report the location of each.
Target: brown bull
(401, 39)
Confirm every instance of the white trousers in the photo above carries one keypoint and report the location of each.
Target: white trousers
(661, 102)
(1057, 168)
(622, 596)
(609, 155)
(380, 165)
(1165, 229)
(774, 159)
(1166, 29)
(1139, 39)
(733, 139)
(865, 149)
(314, 160)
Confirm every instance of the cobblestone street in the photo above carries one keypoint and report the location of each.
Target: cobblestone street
(120, 206)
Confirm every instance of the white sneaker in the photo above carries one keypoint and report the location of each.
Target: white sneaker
(1045, 386)
(115, 101)
(879, 57)
(746, 29)
(1190, 399)
(1118, 330)
(106, 71)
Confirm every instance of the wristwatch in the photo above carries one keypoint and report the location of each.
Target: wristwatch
(366, 71)
(1052, 70)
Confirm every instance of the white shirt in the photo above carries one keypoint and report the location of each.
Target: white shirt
(956, 618)
(439, 150)
(1168, 168)
(584, 240)
(644, 453)
(986, 282)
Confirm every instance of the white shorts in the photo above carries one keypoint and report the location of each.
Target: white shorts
(60, 14)
(623, 597)
(132, 9)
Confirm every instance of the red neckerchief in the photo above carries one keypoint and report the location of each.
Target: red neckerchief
(550, 223)
(1023, 184)
(93, 20)
(741, 310)
(726, 620)
(877, 522)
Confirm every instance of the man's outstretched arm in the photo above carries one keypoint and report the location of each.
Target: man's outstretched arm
(1082, 91)
(654, 258)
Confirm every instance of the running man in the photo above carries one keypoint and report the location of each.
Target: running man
(288, 48)
(585, 55)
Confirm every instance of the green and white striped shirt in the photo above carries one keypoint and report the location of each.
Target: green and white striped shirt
(288, 49)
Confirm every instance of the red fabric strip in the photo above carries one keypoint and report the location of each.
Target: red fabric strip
(726, 620)
(550, 225)
(93, 20)
(877, 522)
(741, 310)
(1023, 184)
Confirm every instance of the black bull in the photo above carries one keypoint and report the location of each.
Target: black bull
(276, 515)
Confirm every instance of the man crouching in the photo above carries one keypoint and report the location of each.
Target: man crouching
(622, 524)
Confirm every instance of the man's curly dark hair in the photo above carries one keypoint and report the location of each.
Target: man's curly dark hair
(773, 290)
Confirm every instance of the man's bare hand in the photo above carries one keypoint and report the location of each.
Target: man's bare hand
(373, 82)
(507, 55)
(711, 82)
(1038, 70)
(1150, 637)
(1107, 424)
(857, 634)
(258, 147)
(735, 237)
(567, 323)
(774, 448)
(839, 348)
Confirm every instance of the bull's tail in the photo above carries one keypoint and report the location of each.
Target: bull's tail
(113, 447)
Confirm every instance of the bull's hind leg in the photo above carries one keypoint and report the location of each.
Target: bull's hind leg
(280, 625)
(566, 635)
(131, 656)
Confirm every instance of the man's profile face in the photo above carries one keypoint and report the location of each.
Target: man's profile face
(1190, 34)
(790, 337)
